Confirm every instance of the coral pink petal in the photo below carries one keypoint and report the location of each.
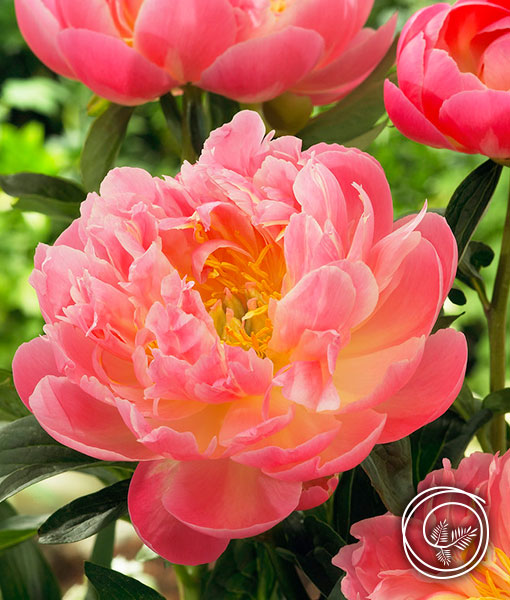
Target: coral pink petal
(322, 300)
(397, 588)
(94, 15)
(178, 35)
(162, 532)
(355, 64)
(80, 421)
(40, 28)
(259, 69)
(480, 121)
(419, 24)
(410, 121)
(223, 498)
(496, 64)
(350, 165)
(431, 390)
(32, 361)
(110, 68)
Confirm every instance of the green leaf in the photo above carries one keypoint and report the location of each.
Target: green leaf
(11, 407)
(498, 402)
(446, 437)
(470, 200)
(53, 196)
(313, 543)
(457, 297)
(363, 141)
(102, 145)
(466, 405)
(28, 454)
(17, 529)
(336, 592)
(476, 256)
(390, 468)
(354, 500)
(85, 516)
(24, 572)
(444, 321)
(238, 573)
(112, 585)
(356, 114)
(173, 119)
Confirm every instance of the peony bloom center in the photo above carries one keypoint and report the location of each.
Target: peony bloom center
(278, 6)
(238, 284)
(492, 579)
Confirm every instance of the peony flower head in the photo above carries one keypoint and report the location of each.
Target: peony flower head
(246, 330)
(454, 78)
(377, 568)
(132, 51)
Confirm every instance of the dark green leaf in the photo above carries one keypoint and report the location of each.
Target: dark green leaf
(24, 572)
(243, 572)
(390, 468)
(354, 115)
(11, 407)
(466, 405)
(102, 145)
(336, 592)
(53, 196)
(112, 585)
(85, 516)
(17, 529)
(173, 118)
(457, 297)
(28, 454)
(470, 200)
(476, 256)
(354, 500)
(444, 321)
(313, 544)
(221, 109)
(364, 140)
(498, 402)
(446, 437)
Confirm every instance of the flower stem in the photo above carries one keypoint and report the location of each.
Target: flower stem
(193, 123)
(189, 581)
(102, 554)
(497, 321)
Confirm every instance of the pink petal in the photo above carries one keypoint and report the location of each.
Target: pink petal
(442, 80)
(93, 15)
(316, 492)
(479, 121)
(223, 498)
(354, 65)
(159, 530)
(78, 420)
(410, 121)
(431, 390)
(426, 21)
(322, 300)
(496, 64)
(32, 361)
(262, 68)
(40, 28)
(110, 68)
(178, 36)
(353, 443)
(350, 165)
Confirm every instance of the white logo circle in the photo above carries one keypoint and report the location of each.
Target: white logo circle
(443, 541)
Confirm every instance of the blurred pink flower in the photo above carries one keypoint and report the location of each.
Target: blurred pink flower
(377, 568)
(253, 325)
(132, 51)
(454, 76)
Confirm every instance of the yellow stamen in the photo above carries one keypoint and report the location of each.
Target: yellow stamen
(278, 6)
(492, 578)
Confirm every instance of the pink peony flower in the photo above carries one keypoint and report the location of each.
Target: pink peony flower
(132, 51)
(377, 568)
(454, 77)
(246, 330)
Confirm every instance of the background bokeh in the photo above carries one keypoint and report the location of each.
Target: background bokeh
(43, 123)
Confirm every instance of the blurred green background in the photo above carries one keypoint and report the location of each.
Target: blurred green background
(43, 122)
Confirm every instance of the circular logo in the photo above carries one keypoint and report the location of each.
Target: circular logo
(445, 532)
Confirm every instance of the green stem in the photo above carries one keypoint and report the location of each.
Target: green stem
(102, 554)
(497, 321)
(193, 123)
(189, 581)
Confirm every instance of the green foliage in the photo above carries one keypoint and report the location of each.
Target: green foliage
(85, 516)
(11, 407)
(111, 585)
